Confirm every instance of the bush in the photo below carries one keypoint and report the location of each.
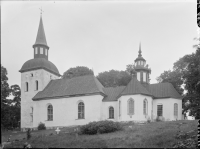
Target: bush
(100, 127)
(41, 126)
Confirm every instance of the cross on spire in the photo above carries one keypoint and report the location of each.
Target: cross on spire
(41, 11)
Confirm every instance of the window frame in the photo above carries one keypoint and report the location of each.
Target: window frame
(160, 110)
(41, 50)
(50, 112)
(145, 106)
(81, 110)
(175, 109)
(26, 86)
(133, 106)
(36, 85)
(111, 112)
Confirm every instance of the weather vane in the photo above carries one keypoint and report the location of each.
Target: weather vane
(41, 11)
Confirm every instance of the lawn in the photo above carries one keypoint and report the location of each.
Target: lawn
(150, 135)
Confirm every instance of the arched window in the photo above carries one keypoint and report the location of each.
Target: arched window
(175, 109)
(36, 85)
(145, 107)
(50, 113)
(26, 87)
(111, 113)
(130, 107)
(81, 110)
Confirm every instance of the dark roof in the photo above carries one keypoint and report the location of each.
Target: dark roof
(139, 58)
(163, 90)
(135, 87)
(39, 63)
(70, 87)
(41, 38)
(112, 93)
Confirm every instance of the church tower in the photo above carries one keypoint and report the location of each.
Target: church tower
(36, 73)
(142, 69)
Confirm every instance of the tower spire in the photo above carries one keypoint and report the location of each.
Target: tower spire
(40, 47)
(140, 55)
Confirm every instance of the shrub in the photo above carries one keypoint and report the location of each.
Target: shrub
(41, 126)
(100, 127)
(28, 134)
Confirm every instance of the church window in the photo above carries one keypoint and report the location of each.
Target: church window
(50, 113)
(31, 74)
(130, 107)
(159, 110)
(111, 113)
(175, 109)
(36, 85)
(46, 52)
(26, 87)
(141, 62)
(31, 114)
(81, 110)
(41, 50)
(145, 107)
(144, 76)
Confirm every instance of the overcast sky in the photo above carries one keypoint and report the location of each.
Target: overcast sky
(101, 35)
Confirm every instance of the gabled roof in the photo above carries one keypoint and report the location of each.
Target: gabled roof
(135, 87)
(71, 87)
(163, 90)
(112, 93)
(41, 38)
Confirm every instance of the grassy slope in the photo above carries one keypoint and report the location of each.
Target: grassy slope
(156, 134)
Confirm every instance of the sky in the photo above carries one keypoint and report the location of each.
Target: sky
(101, 35)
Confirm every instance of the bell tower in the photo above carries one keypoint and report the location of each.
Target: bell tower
(142, 69)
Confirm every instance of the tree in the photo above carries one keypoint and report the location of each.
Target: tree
(186, 72)
(5, 90)
(114, 78)
(10, 108)
(77, 71)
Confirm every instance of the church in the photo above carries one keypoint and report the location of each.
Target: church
(57, 102)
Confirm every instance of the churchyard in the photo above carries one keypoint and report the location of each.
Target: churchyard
(148, 135)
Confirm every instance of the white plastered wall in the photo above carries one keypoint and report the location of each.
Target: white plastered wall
(138, 108)
(65, 111)
(43, 78)
(105, 110)
(168, 108)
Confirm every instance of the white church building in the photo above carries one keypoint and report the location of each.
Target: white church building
(57, 102)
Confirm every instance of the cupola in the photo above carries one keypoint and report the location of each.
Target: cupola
(40, 47)
(141, 68)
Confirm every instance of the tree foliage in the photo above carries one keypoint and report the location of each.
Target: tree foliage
(114, 78)
(77, 71)
(186, 72)
(10, 108)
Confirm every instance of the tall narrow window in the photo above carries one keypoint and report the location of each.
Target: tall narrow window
(119, 108)
(159, 110)
(36, 52)
(81, 110)
(145, 107)
(50, 113)
(31, 114)
(138, 76)
(111, 113)
(36, 85)
(26, 87)
(175, 109)
(130, 107)
(46, 52)
(41, 50)
(144, 76)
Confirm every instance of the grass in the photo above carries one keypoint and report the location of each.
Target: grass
(150, 135)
